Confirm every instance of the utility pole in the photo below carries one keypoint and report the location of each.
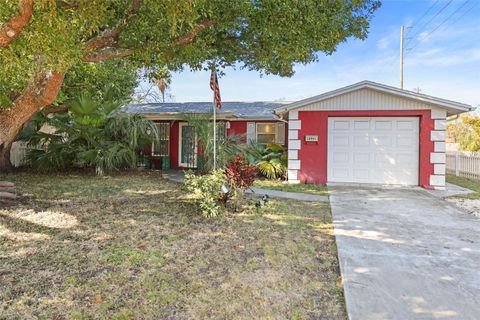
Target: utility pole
(401, 56)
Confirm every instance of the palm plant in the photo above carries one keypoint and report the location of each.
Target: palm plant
(227, 146)
(91, 134)
(272, 162)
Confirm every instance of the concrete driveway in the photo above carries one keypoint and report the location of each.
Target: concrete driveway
(405, 254)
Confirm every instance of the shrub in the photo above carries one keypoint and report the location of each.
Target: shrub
(272, 161)
(207, 191)
(91, 134)
(240, 175)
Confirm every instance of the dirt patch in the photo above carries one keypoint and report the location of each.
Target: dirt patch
(131, 246)
(471, 206)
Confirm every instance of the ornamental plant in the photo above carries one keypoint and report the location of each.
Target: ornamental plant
(206, 191)
(239, 173)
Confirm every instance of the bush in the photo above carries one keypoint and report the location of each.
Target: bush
(207, 191)
(271, 161)
(240, 175)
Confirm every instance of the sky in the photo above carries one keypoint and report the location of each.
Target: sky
(442, 58)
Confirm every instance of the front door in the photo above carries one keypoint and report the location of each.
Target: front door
(188, 146)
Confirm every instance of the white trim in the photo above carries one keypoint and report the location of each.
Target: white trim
(438, 114)
(292, 174)
(294, 144)
(294, 164)
(439, 168)
(437, 180)
(440, 146)
(440, 124)
(438, 157)
(182, 164)
(294, 124)
(293, 115)
(292, 155)
(436, 135)
(292, 134)
(452, 106)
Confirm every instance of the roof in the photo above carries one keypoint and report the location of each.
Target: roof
(451, 106)
(242, 110)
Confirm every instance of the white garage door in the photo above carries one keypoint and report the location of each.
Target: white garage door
(373, 150)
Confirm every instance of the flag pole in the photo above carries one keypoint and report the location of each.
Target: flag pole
(214, 131)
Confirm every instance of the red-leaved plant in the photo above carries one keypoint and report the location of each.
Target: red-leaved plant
(239, 173)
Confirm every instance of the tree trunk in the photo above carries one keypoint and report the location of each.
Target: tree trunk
(41, 92)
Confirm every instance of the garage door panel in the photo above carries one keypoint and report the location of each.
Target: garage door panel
(361, 158)
(405, 125)
(341, 157)
(382, 125)
(373, 150)
(409, 142)
(383, 141)
(341, 141)
(361, 124)
(341, 125)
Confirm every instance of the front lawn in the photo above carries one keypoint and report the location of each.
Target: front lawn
(466, 183)
(300, 187)
(130, 247)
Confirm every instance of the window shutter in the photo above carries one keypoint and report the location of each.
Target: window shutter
(251, 132)
(280, 134)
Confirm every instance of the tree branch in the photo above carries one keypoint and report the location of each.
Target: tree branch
(54, 109)
(189, 37)
(13, 27)
(106, 54)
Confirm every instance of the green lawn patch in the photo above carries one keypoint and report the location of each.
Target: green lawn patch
(280, 185)
(466, 183)
(130, 247)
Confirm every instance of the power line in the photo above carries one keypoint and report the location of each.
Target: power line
(464, 13)
(429, 21)
(423, 15)
(444, 21)
(448, 18)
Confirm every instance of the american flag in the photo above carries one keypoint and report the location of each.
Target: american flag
(216, 89)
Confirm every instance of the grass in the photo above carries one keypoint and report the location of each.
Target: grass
(280, 185)
(466, 183)
(130, 247)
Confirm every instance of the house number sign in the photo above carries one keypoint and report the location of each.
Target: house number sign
(311, 138)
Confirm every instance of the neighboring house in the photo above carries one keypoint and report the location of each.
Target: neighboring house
(363, 133)
(254, 121)
(369, 133)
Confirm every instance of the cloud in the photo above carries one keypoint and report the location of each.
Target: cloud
(441, 58)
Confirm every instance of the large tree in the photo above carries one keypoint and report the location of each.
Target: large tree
(40, 40)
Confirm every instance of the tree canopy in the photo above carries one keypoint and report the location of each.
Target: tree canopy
(40, 40)
(268, 35)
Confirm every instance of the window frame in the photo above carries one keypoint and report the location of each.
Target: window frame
(274, 124)
(153, 153)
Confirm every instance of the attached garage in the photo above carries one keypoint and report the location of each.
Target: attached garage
(381, 150)
(368, 133)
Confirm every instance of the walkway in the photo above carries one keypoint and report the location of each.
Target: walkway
(177, 176)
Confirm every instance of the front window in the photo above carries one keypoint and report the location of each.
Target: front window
(161, 146)
(266, 133)
(221, 131)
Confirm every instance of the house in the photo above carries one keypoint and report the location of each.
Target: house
(363, 133)
(368, 133)
(177, 147)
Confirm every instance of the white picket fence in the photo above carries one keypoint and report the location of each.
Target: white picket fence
(464, 164)
(18, 154)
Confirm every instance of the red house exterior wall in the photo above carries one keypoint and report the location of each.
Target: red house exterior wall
(313, 157)
(236, 127)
